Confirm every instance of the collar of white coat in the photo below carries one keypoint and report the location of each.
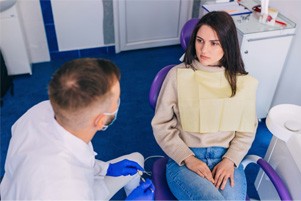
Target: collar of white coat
(82, 151)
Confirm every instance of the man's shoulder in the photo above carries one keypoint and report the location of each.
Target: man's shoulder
(31, 127)
(41, 107)
(39, 110)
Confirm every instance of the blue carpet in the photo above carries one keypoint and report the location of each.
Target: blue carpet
(132, 131)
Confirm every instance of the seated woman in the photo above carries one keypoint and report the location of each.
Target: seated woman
(205, 118)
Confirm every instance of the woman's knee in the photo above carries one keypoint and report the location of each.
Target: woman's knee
(239, 191)
(135, 156)
(186, 185)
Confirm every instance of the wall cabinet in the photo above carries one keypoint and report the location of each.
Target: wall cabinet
(264, 49)
(12, 43)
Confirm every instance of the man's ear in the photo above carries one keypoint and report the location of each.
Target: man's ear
(99, 121)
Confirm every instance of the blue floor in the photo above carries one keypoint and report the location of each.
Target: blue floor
(132, 130)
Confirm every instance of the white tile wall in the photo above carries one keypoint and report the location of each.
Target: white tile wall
(31, 18)
(78, 25)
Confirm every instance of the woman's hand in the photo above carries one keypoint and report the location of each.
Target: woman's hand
(223, 171)
(199, 167)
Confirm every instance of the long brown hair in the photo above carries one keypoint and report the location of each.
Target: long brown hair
(223, 24)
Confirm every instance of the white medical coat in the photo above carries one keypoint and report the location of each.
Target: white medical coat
(45, 161)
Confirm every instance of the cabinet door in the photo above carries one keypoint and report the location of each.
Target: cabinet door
(78, 24)
(264, 59)
(142, 24)
(12, 43)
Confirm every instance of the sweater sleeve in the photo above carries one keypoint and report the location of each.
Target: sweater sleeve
(165, 122)
(240, 145)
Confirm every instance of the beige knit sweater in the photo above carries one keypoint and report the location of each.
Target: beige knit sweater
(176, 142)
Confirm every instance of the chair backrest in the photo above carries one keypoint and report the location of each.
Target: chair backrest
(156, 85)
(187, 31)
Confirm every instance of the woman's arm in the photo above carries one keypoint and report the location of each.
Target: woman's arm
(240, 145)
(166, 121)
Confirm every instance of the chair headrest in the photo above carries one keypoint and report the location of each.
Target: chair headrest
(187, 31)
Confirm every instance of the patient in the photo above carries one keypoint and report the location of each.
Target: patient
(50, 155)
(205, 118)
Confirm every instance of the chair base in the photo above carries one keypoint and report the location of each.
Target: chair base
(162, 191)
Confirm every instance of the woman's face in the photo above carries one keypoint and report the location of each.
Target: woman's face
(208, 48)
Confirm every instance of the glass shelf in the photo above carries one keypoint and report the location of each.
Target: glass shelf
(249, 23)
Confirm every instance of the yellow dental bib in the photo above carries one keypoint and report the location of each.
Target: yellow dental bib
(205, 105)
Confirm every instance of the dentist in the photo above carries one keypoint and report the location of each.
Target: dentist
(50, 155)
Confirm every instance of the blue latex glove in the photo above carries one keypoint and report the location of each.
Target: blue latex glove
(145, 191)
(124, 167)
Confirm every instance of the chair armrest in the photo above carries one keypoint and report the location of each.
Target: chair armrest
(271, 173)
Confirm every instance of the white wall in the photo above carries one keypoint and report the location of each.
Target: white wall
(78, 25)
(289, 86)
(30, 15)
(79, 31)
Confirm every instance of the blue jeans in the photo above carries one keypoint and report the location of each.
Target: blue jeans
(187, 185)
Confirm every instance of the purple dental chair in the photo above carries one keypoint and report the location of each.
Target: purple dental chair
(162, 191)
